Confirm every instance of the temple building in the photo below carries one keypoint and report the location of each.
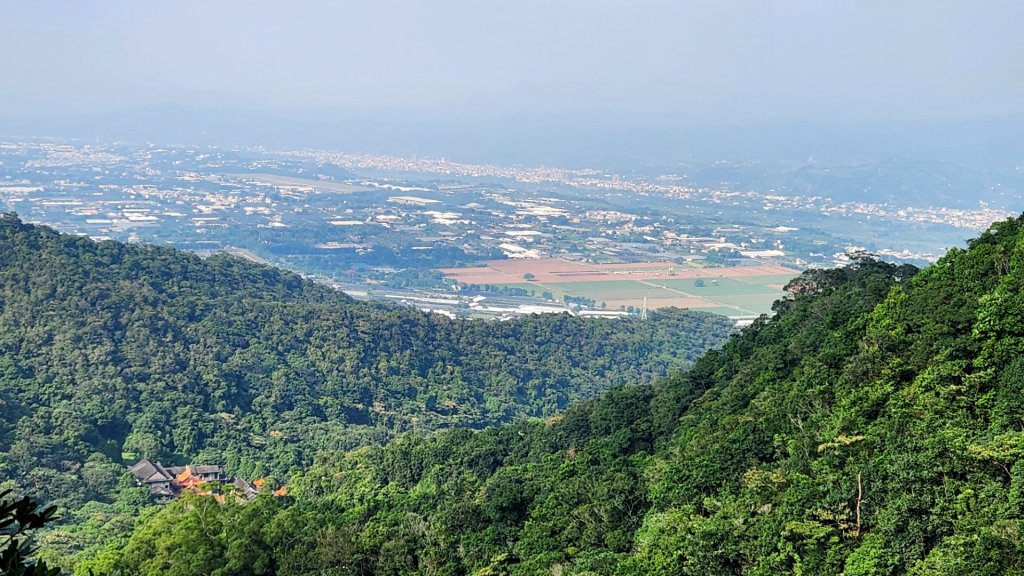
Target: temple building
(167, 482)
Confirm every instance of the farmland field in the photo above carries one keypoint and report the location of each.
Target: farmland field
(611, 289)
(739, 291)
(676, 301)
(756, 303)
(718, 286)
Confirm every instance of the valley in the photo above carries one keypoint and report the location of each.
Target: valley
(396, 229)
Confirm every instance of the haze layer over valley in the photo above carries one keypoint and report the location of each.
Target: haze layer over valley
(519, 288)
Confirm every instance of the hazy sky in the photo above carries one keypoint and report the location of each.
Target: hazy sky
(706, 61)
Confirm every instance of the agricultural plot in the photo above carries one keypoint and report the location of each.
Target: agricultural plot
(773, 281)
(741, 291)
(611, 289)
(718, 286)
(755, 303)
(675, 301)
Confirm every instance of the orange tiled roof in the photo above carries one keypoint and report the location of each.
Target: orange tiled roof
(188, 480)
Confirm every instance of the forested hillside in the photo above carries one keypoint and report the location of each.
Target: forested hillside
(112, 352)
(874, 426)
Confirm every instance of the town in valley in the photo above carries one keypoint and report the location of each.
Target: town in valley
(470, 240)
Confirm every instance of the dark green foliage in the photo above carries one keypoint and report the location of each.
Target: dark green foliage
(17, 519)
(112, 352)
(873, 427)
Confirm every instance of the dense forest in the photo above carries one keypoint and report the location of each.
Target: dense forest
(874, 426)
(111, 352)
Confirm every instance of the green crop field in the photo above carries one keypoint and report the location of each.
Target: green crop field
(742, 296)
(779, 280)
(717, 287)
(610, 290)
(760, 303)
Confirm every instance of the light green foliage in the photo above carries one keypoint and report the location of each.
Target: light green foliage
(875, 426)
(109, 349)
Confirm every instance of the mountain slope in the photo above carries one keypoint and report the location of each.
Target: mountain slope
(874, 426)
(111, 351)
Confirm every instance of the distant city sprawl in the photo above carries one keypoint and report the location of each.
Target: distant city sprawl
(386, 227)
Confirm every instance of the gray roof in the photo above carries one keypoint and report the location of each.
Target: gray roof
(161, 491)
(248, 489)
(200, 470)
(146, 471)
(206, 469)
